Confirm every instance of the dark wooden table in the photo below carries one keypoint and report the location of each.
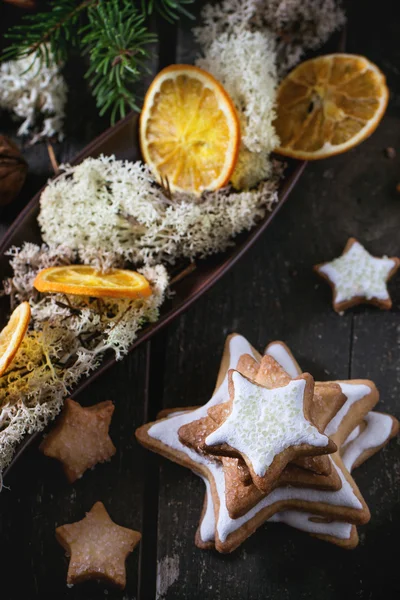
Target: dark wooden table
(271, 294)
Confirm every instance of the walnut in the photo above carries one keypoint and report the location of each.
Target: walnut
(13, 169)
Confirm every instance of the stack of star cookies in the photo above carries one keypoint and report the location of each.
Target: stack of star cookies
(272, 444)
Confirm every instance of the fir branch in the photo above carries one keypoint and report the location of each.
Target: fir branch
(42, 32)
(113, 33)
(171, 10)
(115, 39)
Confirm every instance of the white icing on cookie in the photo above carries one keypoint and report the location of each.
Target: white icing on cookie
(177, 413)
(207, 525)
(377, 432)
(357, 273)
(265, 422)
(352, 436)
(166, 431)
(353, 392)
(280, 353)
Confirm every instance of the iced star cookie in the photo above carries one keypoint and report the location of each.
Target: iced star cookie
(327, 400)
(268, 428)
(361, 396)
(344, 505)
(230, 533)
(357, 277)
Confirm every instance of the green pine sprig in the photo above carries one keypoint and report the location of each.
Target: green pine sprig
(114, 35)
(55, 30)
(116, 40)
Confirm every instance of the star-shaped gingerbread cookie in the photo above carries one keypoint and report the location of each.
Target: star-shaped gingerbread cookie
(80, 437)
(97, 547)
(357, 277)
(268, 428)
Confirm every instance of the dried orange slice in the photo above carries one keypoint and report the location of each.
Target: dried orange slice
(189, 130)
(328, 105)
(83, 280)
(13, 334)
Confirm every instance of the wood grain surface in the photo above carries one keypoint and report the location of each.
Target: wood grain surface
(271, 293)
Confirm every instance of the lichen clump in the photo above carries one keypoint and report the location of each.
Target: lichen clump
(110, 206)
(297, 26)
(245, 63)
(36, 94)
(69, 338)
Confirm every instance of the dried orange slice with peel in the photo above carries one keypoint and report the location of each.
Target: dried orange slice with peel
(13, 334)
(328, 105)
(189, 130)
(84, 280)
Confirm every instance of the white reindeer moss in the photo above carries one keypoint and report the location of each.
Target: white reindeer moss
(245, 63)
(69, 338)
(114, 208)
(36, 94)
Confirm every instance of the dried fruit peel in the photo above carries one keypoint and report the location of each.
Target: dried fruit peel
(328, 105)
(189, 130)
(13, 334)
(84, 280)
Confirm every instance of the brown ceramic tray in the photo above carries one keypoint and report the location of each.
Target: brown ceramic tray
(122, 141)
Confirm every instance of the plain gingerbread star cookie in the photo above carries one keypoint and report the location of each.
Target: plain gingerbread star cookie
(80, 437)
(97, 547)
(357, 277)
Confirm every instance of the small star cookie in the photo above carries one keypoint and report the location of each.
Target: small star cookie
(97, 547)
(80, 437)
(357, 277)
(268, 428)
